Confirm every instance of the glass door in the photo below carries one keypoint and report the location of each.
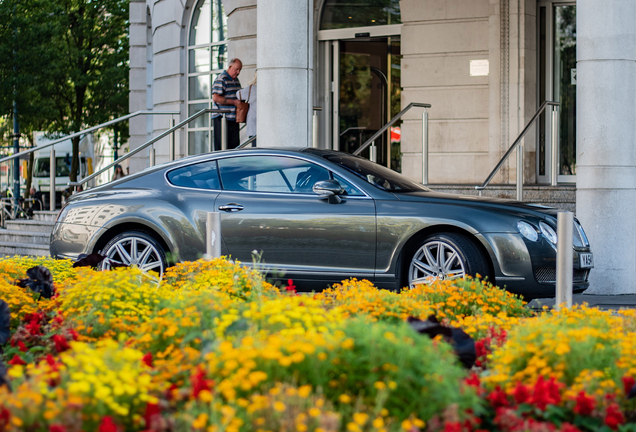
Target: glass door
(367, 83)
(557, 82)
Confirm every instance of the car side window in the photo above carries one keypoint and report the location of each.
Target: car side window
(350, 189)
(270, 174)
(203, 175)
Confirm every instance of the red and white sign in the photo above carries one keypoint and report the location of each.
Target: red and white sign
(396, 134)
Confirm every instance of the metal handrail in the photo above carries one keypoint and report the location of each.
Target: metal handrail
(248, 142)
(515, 144)
(383, 129)
(86, 131)
(146, 144)
(353, 128)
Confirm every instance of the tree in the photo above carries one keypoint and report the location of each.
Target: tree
(65, 62)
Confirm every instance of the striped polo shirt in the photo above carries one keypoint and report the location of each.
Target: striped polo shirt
(224, 85)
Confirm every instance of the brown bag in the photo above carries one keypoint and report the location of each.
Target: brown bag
(242, 108)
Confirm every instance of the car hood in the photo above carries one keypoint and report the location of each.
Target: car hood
(479, 202)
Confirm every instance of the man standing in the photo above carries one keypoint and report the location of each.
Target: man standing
(224, 97)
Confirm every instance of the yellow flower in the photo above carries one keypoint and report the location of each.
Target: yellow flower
(344, 398)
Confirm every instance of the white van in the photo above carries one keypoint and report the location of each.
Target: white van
(63, 159)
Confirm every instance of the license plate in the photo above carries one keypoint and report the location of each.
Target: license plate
(586, 260)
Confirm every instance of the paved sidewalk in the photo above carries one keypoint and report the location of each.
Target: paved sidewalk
(623, 301)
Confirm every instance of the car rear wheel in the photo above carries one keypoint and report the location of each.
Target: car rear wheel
(445, 256)
(135, 248)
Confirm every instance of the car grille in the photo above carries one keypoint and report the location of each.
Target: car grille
(548, 275)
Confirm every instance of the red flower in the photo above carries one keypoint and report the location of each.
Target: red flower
(22, 347)
(61, 344)
(567, 427)
(147, 359)
(57, 428)
(613, 416)
(584, 404)
(452, 427)
(481, 351)
(290, 286)
(5, 416)
(498, 398)
(107, 425)
(473, 380)
(546, 393)
(16, 360)
(199, 383)
(33, 327)
(521, 393)
(628, 383)
(58, 321)
(152, 411)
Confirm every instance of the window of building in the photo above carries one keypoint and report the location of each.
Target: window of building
(207, 58)
(338, 14)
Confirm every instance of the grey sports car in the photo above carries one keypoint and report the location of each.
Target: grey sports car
(317, 217)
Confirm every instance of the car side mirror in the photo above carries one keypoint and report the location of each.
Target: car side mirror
(329, 189)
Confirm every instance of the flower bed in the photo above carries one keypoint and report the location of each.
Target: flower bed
(216, 348)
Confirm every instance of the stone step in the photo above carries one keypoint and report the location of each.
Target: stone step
(562, 197)
(46, 215)
(25, 237)
(12, 249)
(30, 225)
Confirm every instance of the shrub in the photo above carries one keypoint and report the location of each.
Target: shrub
(104, 304)
(77, 390)
(359, 297)
(13, 268)
(228, 277)
(584, 349)
(458, 298)
(358, 361)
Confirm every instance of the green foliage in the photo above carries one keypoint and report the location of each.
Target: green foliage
(65, 62)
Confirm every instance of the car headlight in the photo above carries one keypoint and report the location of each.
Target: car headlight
(528, 231)
(548, 232)
(579, 237)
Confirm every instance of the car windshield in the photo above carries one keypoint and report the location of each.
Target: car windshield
(379, 176)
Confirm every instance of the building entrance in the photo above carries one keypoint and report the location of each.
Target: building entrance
(358, 81)
(557, 82)
(361, 79)
(369, 78)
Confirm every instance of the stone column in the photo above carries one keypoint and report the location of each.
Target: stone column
(285, 73)
(606, 139)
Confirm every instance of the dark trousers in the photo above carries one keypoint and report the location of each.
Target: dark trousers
(232, 134)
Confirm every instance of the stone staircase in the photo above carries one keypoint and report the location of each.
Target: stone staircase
(562, 197)
(28, 236)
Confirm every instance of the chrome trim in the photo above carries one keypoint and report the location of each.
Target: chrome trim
(259, 152)
(231, 207)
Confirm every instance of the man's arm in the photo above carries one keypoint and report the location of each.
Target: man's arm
(222, 100)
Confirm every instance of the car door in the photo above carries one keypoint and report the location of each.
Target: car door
(268, 206)
(195, 188)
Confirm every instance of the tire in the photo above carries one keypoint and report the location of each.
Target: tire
(136, 248)
(445, 256)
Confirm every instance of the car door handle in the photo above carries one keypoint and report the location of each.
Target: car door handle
(231, 207)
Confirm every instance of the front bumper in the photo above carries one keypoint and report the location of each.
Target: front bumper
(529, 268)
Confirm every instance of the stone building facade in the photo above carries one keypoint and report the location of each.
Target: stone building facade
(485, 66)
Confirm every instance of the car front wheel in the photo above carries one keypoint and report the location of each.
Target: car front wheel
(445, 256)
(135, 248)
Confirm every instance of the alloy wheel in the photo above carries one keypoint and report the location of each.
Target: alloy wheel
(134, 251)
(436, 260)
